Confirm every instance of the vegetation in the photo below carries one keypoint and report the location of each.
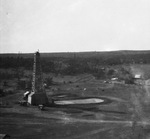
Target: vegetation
(124, 103)
(97, 63)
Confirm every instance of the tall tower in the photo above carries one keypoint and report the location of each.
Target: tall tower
(38, 95)
(37, 82)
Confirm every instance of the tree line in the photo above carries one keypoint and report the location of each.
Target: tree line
(101, 67)
(74, 65)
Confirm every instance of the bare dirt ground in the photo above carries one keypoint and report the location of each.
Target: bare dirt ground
(124, 115)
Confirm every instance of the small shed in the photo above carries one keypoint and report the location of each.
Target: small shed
(38, 99)
(4, 136)
(138, 79)
(137, 76)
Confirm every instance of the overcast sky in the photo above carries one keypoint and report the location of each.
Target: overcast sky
(74, 25)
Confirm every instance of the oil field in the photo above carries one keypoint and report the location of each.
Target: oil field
(94, 95)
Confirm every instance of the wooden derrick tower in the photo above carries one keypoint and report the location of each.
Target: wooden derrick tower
(38, 95)
(37, 82)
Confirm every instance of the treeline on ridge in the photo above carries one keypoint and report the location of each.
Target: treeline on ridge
(75, 64)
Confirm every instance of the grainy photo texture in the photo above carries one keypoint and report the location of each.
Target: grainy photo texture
(74, 69)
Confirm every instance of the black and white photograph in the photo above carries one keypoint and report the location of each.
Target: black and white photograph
(74, 69)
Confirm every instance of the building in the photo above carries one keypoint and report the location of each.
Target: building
(138, 79)
(137, 76)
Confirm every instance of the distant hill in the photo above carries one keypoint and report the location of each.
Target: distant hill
(71, 63)
(93, 54)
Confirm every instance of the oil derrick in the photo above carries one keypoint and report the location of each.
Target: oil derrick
(37, 95)
(37, 82)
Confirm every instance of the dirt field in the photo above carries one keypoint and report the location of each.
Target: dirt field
(124, 114)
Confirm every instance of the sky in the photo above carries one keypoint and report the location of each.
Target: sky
(74, 25)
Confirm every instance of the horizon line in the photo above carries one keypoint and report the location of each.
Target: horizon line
(19, 52)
